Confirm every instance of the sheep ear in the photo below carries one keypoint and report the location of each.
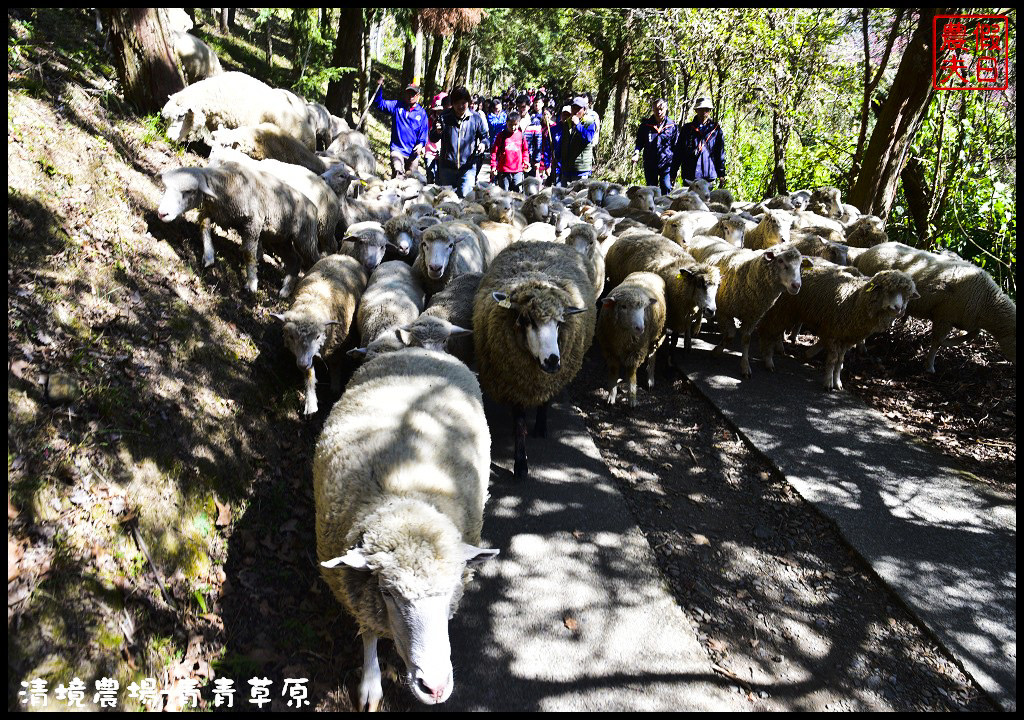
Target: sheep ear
(357, 353)
(358, 239)
(457, 331)
(608, 301)
(915, 295)
(683, 271)
(503, 301)
(333, 322)
(769, 256)
(805, 261)
(573, 311)
(477, 556)
(354, 559)
(278, 316)
(404, 336)
(205, 186)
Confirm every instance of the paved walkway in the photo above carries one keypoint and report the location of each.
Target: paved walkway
(944, 544)
(573, 614)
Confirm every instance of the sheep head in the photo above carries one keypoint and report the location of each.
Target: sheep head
(541, 312)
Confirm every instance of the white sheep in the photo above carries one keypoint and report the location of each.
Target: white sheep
(320, 318)
(954, 294)
(774, 229)
(583, 238)
(533, 321)
(866, 231)
(400, 480)
(752, 281)
(260, 206)
(450, 249)
(691, 288)
(393, 299)
(843, 309)
(630, 324)
(366, 242)
(198, 60)
(267, 140)
(447, 320)
(233, 100)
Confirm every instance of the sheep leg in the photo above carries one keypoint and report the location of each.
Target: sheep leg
(940, 331)
(540, 427)
(768, 346)
(311, 405)
(206, 230)
(251, 257)
(837, 381)
(291, 273)
(670, 346)
(370, 690)
(613, 379)
(745, 359)
(521, 470)
(632, 387)
(832, 361)
(650, 372)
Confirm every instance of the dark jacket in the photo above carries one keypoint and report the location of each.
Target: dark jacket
(458, 137)
(657, 144)
(577, 147)
(700, 152)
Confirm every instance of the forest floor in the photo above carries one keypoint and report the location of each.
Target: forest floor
(159, 495)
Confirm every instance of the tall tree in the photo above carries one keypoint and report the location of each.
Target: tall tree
(145, 61)
(348, 49)
(899, 118)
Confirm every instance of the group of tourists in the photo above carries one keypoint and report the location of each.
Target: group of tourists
(536, 137)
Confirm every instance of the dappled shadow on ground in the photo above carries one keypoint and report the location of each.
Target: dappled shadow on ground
(774, 594)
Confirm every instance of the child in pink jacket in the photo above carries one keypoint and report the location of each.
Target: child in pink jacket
(510, 157)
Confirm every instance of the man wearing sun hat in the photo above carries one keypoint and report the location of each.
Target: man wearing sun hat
(577, 143)
(700, 153)
(408, 128)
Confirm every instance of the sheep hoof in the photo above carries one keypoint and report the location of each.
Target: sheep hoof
(371, 693)
(207, 261)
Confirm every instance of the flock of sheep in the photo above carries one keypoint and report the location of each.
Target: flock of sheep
(514, 286)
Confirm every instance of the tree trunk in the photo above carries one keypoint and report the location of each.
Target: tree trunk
(145, 61)
(222, 16)
(365, 68)
(462, 64)
(898, 121)
(452, 63)
(918, 196)
(348, 48)
(417, 73)
(408, 63)
(780, 138)
(325, 21)
(604, 85)
(270, 47)
(430, 76)
(622, 78)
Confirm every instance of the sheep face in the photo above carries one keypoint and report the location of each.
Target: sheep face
(701, 188)
(304, 339)
(583, 238)
(892, 292)
(182, 121)
(184, 191)
(431, 333)
(540, 323)
(836, 253)
(368, 249)
(785, 264)
(630, 311)
(437, 248)
(419, 585)
(733, 229)
(705, 283)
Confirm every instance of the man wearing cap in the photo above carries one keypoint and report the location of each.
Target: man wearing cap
(700, 153)
(577, 144)
(657, 138)
(462, 135)
(408, 128)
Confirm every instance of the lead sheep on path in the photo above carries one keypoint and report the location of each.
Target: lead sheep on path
(260, 206)
(233, 100)
(843, 310)
(954, 294)
(320, 318)
(629, 329)
(533, 320)
(400, 482)
(752, 281)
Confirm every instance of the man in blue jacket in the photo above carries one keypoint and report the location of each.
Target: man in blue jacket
(700, 153)
(408, 129)
(462, 135)
(657, 138)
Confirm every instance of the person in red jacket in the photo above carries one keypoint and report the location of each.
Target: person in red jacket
(510, 156)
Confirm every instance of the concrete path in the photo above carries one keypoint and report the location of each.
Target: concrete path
(944, 544)
(573, 614)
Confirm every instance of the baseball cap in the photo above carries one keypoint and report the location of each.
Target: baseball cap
(412, 86)
(580, 101)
